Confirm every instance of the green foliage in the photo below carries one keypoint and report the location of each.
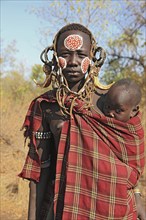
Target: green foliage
(126, 51)
(37, 73)
(17, 93)
(7, 57)
(15, 87)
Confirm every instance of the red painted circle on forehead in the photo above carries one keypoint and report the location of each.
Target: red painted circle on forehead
(73, 42)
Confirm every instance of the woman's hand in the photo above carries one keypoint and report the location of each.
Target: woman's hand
(32, 201)
(141, 212)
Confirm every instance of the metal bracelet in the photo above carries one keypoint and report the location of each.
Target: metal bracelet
(42, 135)
(137, 191)
(46, 163)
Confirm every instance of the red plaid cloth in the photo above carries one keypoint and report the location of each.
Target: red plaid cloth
(32, 123)
(99, 162)
(103, 161)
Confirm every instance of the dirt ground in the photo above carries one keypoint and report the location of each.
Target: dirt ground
(14, 191)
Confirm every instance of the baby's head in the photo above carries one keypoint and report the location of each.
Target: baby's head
(122, 100)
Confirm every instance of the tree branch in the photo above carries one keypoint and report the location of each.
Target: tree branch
(118, 56)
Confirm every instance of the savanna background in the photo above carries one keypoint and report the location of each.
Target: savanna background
(119, 27)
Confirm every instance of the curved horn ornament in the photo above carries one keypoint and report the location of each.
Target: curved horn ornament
(100, 85)
(44, 54)
(102, 56)
(45, 84)
(47, 68)
(95, 68)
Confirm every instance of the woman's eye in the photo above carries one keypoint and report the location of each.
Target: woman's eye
(64, 54)
(82, 55)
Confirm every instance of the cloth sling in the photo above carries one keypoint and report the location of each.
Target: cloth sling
(99, 162)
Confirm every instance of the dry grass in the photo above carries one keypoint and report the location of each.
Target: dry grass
(14, 191)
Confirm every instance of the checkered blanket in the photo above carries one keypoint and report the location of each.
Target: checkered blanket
(99, 162)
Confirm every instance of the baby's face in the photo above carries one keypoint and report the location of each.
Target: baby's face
(118, 104)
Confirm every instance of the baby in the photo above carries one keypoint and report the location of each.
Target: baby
(122, 100)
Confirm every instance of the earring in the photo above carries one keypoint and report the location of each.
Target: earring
(102, 56)
(47, 67)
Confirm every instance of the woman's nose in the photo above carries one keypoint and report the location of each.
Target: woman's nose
(72, 59)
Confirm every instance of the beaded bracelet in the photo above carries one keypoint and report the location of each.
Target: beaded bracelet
(42, 135)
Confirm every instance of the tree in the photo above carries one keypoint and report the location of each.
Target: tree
(15, 87)
(119, 27)
(91, 13)
(7, 57)
(37, 73)
(126, 53)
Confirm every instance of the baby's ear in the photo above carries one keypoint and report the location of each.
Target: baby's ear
(134, 111)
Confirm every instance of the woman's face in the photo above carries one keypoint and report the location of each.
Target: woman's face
(73, 51)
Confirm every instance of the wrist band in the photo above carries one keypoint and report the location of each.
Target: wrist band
(42, 135)
(137, 191)
(46, 163)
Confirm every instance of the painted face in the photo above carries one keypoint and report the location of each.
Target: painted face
(118, 104)
(84, 64)
(73, 51)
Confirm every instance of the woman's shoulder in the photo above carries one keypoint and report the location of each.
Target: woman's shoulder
(98, 98)
(50, 95)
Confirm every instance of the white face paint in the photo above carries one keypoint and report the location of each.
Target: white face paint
(73, 42)
(62, 62)
(85, 64)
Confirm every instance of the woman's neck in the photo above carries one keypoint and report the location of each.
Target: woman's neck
(75, 87)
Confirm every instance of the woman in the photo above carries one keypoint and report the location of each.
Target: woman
(74, 173)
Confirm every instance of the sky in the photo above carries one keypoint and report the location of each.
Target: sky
(18, 24)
